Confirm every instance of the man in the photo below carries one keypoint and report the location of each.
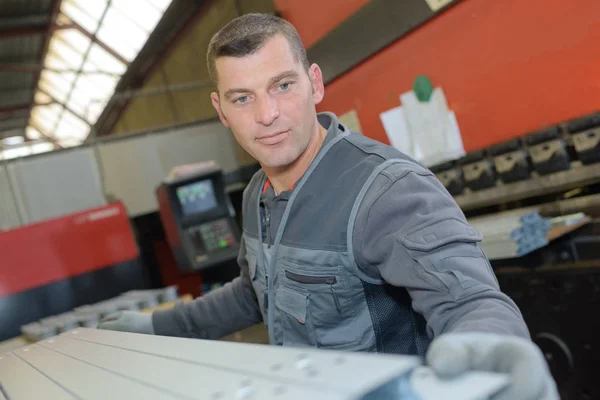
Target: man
(348, 243)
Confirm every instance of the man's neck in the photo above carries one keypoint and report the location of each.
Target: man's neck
(283, 179)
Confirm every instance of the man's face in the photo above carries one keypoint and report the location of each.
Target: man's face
(268, 101)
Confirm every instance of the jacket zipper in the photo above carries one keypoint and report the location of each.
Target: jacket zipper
(315, 280)
(268, 225)
(267, 214)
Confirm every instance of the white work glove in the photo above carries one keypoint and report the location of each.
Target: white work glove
(529, 376)
(128, 321)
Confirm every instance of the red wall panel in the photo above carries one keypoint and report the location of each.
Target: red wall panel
(56, 249)
(507, 67)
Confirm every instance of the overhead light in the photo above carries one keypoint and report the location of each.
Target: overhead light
(13, 140)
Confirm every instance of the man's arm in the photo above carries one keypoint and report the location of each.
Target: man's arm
(411, 233)
(218, 313)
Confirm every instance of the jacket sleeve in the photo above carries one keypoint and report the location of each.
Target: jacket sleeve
(409, 232)
(216, 314)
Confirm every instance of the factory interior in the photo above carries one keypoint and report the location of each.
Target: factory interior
(121, 189)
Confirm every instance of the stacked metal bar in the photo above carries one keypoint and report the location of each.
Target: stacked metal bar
(517, 233)
(90, 315)
(95, 364)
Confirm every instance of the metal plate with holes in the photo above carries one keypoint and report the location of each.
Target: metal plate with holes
(95, 364)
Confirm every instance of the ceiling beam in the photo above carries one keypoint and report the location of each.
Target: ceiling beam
(24, 26)
(34, 68)
(14, 115)
(17, 123)
(179, 16)
(55, 7)
(15, 97)
(12, 108)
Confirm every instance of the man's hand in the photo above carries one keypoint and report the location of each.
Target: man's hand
(529, 376)
(128, 321)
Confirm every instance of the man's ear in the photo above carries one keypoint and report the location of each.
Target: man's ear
(316, 78)
(216, 102)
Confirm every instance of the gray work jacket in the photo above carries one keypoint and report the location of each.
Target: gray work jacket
(368, 252)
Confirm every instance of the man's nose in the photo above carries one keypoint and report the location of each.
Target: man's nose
(267, 110)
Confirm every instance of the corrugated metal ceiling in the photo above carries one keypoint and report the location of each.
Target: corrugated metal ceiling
(60, 61)
(23, 26)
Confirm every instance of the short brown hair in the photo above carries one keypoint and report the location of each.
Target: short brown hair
(247, 34)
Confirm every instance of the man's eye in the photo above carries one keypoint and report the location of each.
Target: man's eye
(241, 100)
(285, 86)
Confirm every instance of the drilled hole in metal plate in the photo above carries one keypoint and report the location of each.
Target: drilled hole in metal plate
(546, 147)
(591, 135)
(279, 390)
(276, 367)
(246, 382)
(340, 360)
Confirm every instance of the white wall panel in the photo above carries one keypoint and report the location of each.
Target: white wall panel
(211, 141)
(131, 170)
(9, 214)
(127, 169)
(56, 184)
(134, 167)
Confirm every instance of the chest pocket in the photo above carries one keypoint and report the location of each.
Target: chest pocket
(256, 270)
(317, 305)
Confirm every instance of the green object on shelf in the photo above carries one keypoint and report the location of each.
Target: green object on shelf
(423, 88)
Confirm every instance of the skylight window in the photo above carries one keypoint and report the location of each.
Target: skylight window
(87, 55)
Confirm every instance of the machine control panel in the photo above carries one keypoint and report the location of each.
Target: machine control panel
(212, 236)
(199, 220)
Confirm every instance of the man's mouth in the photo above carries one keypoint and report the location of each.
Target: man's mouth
(273, 138)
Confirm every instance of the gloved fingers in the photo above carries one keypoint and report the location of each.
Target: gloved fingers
(448, 357)
(551, 392)
(112, 317)
(547, 390)
(530, 377)
(110, 326)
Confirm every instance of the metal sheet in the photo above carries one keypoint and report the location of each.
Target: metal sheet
(21, 380)
(56, 184)
(375, 26)
(84, 380)
(194, 381)
(95, 364)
